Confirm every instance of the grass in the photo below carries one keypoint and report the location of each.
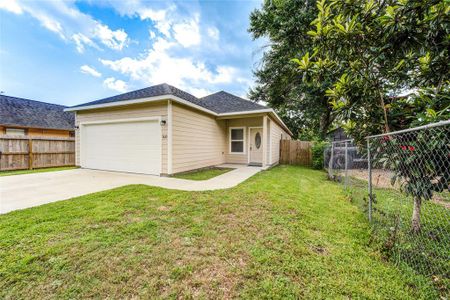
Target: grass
(203, 174)
(20, 172)
(284, 233)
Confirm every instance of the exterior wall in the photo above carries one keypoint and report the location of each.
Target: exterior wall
(40, 132)
(242, 122)
(276, 134)
(158, 109)
(198, 139)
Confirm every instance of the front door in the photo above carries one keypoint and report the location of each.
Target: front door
(256, 142)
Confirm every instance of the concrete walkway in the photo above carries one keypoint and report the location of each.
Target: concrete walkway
(28, 190)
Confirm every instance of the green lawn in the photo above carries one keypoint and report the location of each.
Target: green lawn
(19, 172)
(203, 174)
(284, 233)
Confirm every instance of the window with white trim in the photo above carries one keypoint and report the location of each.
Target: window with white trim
(237, 140)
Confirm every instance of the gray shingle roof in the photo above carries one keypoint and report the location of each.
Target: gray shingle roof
(220, 102)
(29, 113)
(223, 102)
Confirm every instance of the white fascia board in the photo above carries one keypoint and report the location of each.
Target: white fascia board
(141, 100)
(247, 112)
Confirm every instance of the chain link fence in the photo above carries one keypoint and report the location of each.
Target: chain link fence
(401, 181)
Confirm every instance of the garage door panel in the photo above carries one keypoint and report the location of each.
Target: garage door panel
(133, 146)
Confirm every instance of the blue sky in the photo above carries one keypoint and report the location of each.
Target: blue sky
(70, 52)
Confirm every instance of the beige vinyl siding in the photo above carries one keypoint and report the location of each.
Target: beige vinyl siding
(276, 133)
(245, 122)
(156, 109)
(198, 140)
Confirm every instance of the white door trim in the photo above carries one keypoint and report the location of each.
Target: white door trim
(82, 124)
(249, 141)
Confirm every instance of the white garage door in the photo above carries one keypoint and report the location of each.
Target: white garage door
(131, 146)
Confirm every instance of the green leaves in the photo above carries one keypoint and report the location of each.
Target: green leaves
(304, 63)
(338, 92)
(350, 26)
(390, 16)
(425, 62)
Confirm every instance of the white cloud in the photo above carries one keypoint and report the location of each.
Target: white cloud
(64, 19)
(115, 84)
(50, 23)
(213, 33)
(81, 40)
(158, 66)
(187, 33)
(113, 39)
(198, 92)
(183, 29)
(91, 71)
(11, 6)
(160, 17)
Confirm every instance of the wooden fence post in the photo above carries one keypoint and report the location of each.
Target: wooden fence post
(30, 154)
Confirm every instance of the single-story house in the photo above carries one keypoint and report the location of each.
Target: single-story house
(163, 130)
(24, 117)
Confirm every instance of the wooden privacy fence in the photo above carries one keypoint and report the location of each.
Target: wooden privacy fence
(296, 152)
(18, 153)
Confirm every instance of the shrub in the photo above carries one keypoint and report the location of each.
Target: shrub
(318, 149)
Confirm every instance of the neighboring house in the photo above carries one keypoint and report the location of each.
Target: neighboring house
(163, 130)
(337, 134)
(23, 117)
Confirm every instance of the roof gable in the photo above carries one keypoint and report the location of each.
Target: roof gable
(22, 112)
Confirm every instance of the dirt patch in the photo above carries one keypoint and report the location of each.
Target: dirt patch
(383, 179)
(319, 249)
(380, 178)
(163, 208)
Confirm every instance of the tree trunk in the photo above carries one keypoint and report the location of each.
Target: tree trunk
(415, 221)
(383, 107)
(326, 118)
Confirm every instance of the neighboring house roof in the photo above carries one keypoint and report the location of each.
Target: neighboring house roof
(337, 134)
(220, 102)
(21, 112)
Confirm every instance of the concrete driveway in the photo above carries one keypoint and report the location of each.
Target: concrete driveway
(23, 191)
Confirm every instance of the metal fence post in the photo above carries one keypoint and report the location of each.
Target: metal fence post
(369, 169)
(346, 167)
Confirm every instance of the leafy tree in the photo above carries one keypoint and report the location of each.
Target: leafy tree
(375, 49)
(302, 104)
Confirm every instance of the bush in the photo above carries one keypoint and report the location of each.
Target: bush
(318, 149)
